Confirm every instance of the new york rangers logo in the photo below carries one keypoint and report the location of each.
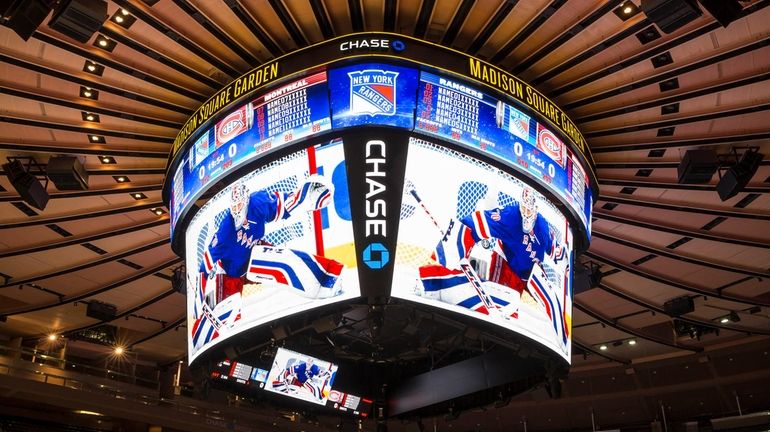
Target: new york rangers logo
(373, 92)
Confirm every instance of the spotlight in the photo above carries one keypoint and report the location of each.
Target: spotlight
(158, 211)
(603, 347)
(105, 43)
(89, 117)
(96, 139)
(89, 93)
(138, 196)
(121, 179)
(119, 350)
(724, 320)
(52, 337)
(626, 10)
(107, 160)
(93, 68)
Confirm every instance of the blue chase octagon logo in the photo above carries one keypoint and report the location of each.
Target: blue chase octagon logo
(376, 256)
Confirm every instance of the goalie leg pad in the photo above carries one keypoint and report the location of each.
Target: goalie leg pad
(309, 275)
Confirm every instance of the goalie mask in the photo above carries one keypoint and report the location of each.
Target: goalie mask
(239, 203)
(528, 208)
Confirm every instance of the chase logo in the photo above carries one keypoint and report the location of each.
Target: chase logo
(376, 256)
(373, 92)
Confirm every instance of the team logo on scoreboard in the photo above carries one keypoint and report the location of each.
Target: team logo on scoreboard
(373, 92)
(202, 150)
(238, 122)
(550, 144)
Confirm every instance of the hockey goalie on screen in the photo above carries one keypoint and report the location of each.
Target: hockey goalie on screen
(515, 241)
(237, 254)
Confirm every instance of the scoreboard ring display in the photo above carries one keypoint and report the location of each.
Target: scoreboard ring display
(376, 166)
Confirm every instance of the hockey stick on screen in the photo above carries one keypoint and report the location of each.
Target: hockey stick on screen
(468, 271)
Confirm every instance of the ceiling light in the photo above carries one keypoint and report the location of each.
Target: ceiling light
(603, 347)
(107, 160)
(138, 196)
(119, 350)
(724, 320)
(119, 19)
(93, 68)
(96, 139)
(123, 18)
(89, 117)
(121, 179)
(626, 10)
(124, 12)
(88, 92)
(632, 341)
(158, 211)
(52, 337)
(84, 412)
(105, 43)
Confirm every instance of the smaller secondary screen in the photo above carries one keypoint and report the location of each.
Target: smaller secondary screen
(301, 376)
(373, 93)
(484, 244)
(273, 243)
(350, 403)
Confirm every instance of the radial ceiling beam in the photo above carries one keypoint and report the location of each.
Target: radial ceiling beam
(322, 18)
(684, 208)
(423, 17)
(76, 240)
(702, 235)
(492, 26)
(148, 271)
(673, 73)
(678, 121)
(744, 139)
(98, 85)
(566, 36)
(123, 314)
(692, 320)
(160, 331)
(655, 51)
(98, 56)
(457, 21)
(288, 22)
(248, 20)
(113, 150)
(119, 189)
(632, 331)
(84, 130)
(88, 215)
(705, 91)
(71, 269)
(679, 257)
(178, 38)
(665, 281)
(217, 32)
(527, 31)
(76, 104)
(675, 186)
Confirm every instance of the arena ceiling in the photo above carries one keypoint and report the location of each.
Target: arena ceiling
(640, 96)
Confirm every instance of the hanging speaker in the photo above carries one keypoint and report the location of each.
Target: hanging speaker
(79, 19)
(25, 16)
(670, 15)
(27, 185)
(724, 11)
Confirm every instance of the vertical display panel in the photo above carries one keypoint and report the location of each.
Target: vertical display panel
(484, 244)
(373, 93)
(301, 376)
(273, 243)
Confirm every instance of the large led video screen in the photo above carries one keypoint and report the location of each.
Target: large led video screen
(301, 376)
(457, 111)
(482, 243)
(273, 243)
(281, 116)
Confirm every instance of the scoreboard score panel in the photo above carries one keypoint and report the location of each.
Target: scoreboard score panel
(379, 93)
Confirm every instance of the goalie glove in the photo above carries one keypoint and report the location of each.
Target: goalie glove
(316, 193)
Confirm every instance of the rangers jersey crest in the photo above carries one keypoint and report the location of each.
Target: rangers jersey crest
(373, 92)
